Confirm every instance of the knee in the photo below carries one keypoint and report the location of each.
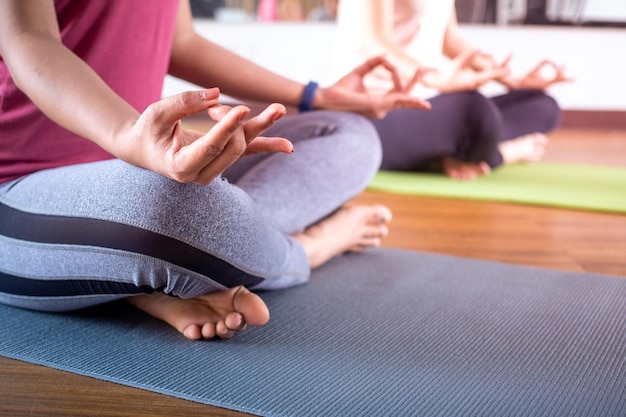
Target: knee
(479, 106)
(483, 121)
(359, 141)
(470, 99)
(543, 110)
(539, 109)
(474, 110)
(551, 112)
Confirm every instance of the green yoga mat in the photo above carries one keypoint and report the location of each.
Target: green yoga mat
(585, 187)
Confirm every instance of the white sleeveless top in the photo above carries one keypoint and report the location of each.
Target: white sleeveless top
(418, 28)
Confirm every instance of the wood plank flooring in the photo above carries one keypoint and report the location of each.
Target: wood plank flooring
(537, 236)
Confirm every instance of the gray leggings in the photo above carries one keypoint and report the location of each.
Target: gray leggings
(86, 234)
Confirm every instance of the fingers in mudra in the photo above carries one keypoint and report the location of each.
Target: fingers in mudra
(161, 144)
(220, 147)
(256, 125)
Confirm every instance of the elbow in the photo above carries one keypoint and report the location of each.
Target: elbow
(16, 76)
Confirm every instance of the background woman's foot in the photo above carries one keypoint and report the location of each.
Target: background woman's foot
(220, 314)
(464, 171)
(350, 229)
(527, 148)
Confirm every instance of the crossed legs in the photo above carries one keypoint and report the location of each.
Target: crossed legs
(466, 135)
(223, 313)
(336, 155)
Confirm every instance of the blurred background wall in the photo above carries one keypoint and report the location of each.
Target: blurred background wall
(588, 37)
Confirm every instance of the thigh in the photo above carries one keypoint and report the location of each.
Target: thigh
(336, 156)
(89, 233)
(527, 111)
(465, 125)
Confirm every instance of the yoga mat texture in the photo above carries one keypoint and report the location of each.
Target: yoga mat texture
(584, 187)
(384, 333)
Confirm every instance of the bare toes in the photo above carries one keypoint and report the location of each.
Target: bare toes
(235, 321)
(222, 331)
(251, 307)
(359, 249)
(193, 332)
(376, 231)
(383, 214)
(208, 330)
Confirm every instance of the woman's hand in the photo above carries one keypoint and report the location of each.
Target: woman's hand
(537, 78)
(464, 75)
(159, 142)
(350, 93)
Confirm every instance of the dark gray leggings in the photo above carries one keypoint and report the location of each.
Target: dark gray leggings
(466, 125)
(86, 234)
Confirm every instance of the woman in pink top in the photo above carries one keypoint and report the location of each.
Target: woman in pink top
(104, 194)
(465, 134)
(279, 10)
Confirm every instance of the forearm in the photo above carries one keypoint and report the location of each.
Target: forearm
(376, 29)
(210, 65)
(66, 89)
(54, 78)
(404, 63)
(453, 43)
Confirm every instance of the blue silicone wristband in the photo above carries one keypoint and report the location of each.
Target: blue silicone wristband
(306, 102)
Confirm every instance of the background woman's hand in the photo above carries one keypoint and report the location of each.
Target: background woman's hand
(351, 94)
(464, 75)
(159, 142)
(542, 76)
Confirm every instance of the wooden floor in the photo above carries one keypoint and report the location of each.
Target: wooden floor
(550, 238)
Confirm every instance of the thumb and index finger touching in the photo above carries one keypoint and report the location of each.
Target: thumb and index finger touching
(172, 109)
(229, 120)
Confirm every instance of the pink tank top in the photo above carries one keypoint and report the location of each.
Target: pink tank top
(126, 42)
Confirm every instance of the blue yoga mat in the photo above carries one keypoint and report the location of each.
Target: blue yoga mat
(384, 333)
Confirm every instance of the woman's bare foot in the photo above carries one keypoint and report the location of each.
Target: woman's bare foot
(464, 171)
(221, 314)
(218, 314)
(350, 229)
(527, 148)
